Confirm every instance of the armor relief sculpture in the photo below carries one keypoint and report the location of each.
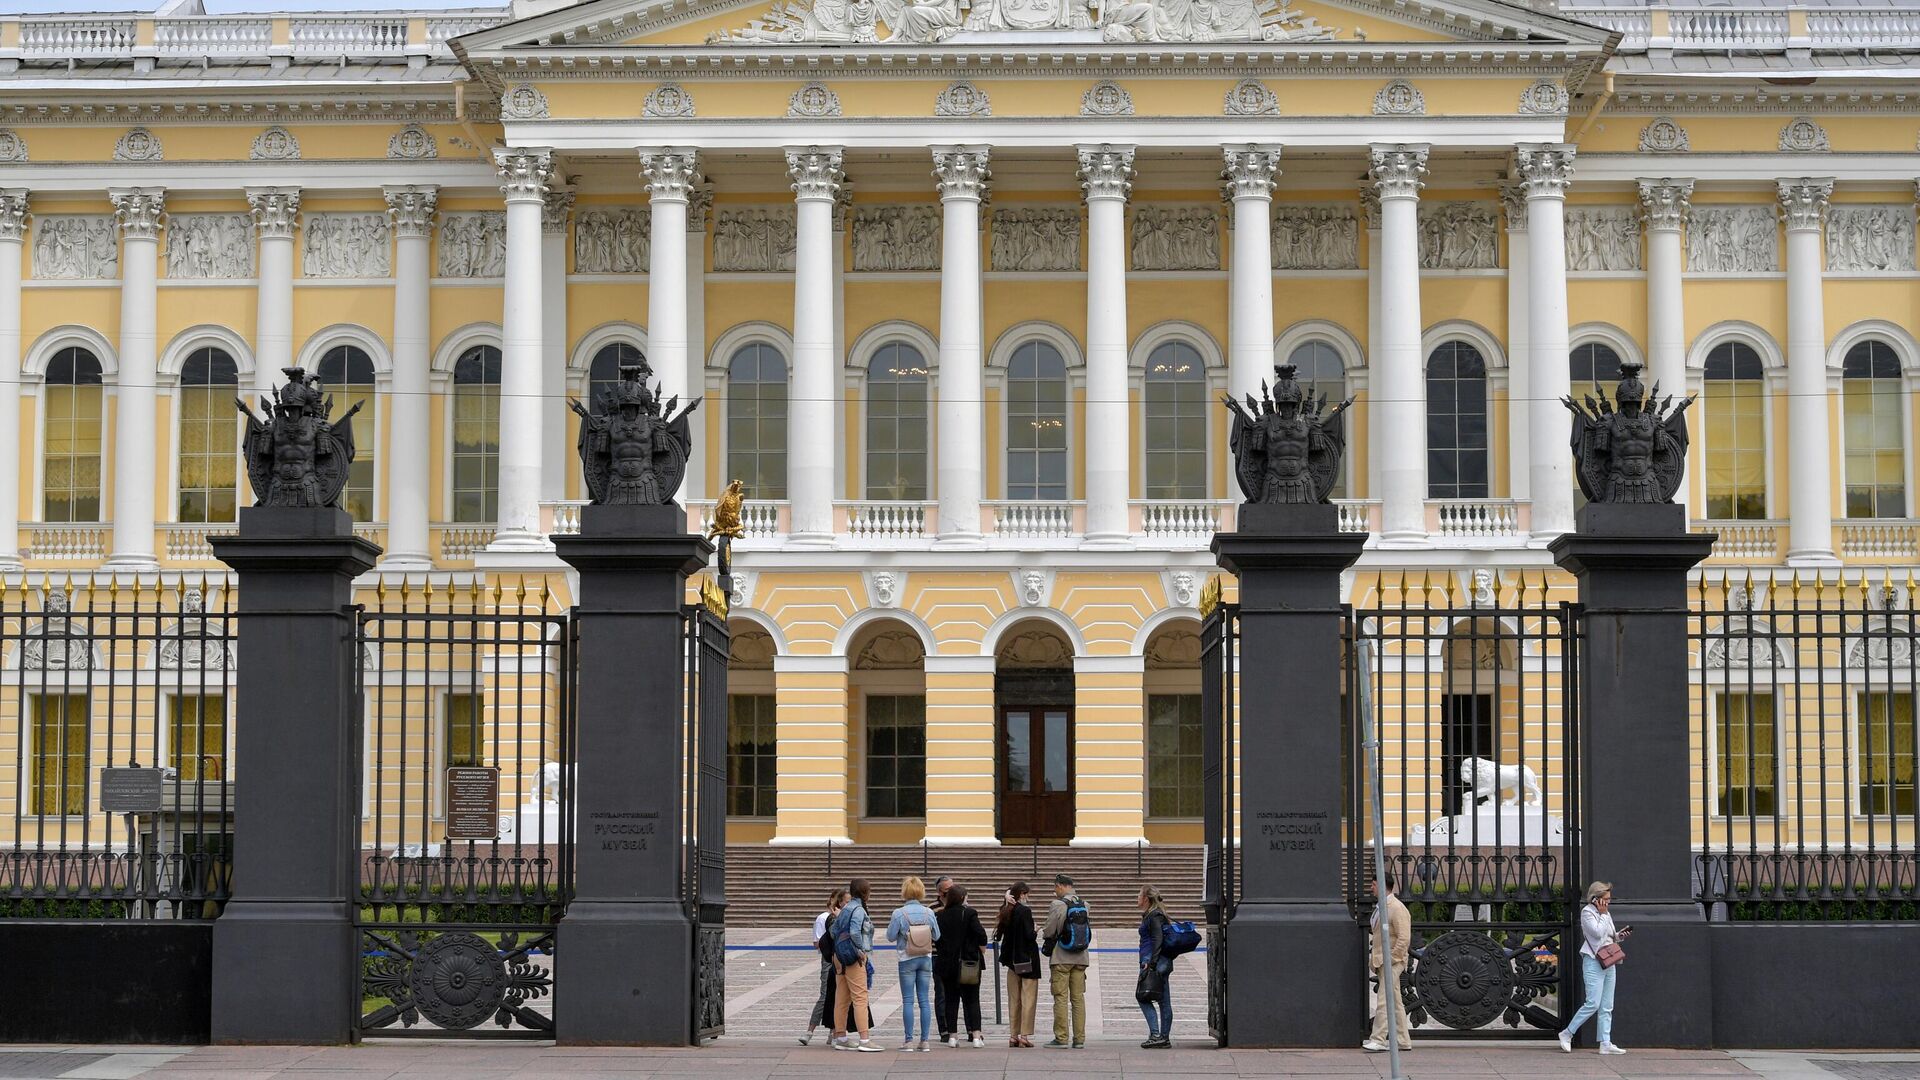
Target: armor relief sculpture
(1287, 443)
(633, 447)
(1602, 238)
(1459, 236)
(1315, 238)
(215, 246)
(1733, 240)
(347, 246)
(754, 239)
(1630, 449)
(1869, 239)
(295, 456)
(1175, 238)
(612, 240)
(1045, 238)
(473, 244)
(896, 238)
(75, 246)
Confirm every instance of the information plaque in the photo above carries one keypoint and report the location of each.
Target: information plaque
(473, 803)
(130, 790)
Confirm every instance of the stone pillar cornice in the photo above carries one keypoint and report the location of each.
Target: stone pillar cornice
(1370, 205)
(14, 217)
(961, 172)
(699, 205)
(411, 209)
(1106, 171)
(1667, 201)
(555, 208)
(1513, 199)
(1249, 171)
(815, 172)
(524, 173)
(275, 211)
(1803, 202)
(1546, 169)
(141, 213)
(670, 172)
(1396, 169)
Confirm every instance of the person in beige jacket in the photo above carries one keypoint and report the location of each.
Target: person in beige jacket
(1392, 916)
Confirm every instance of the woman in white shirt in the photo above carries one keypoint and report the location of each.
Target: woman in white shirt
(1596, 932)
(823, 1008)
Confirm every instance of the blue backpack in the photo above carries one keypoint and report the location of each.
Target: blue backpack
(844, 949)
(1077, 934)
(1180, 938)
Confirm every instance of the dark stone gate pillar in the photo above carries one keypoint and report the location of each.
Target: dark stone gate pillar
(284, 953)
(625, 947)
(1295, 955)
(1632, 562)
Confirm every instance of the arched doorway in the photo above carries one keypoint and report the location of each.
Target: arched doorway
(1033, 699)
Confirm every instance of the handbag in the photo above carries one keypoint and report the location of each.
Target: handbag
(1023, 968)
(1148, 987)
(969, 973)
(1610, 954)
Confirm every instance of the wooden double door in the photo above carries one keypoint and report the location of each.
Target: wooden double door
(1036, 757)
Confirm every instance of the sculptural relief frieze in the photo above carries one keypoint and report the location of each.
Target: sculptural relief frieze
(1870, 238)
(275, 144)
(473, 244)
(754, 239)
(217, 246)
(347, 246)
(1251, 97)
(1315, 238)
(1459, 236)
(963, 98)
(12, 146)
(1035, 238)
(1733, 240)
(896, 238)
(412, 143)
(926, 22)
(1602, 238)
(75, 246)
(1175, 238)
(612, 240)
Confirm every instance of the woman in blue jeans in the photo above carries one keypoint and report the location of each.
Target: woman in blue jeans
(1596, 930)
(914, 930)
(1156, 968)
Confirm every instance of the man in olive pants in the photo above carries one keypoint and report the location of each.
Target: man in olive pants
(1068, 968)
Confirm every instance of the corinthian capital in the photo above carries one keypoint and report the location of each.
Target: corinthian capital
(1370, 204)
(276, 211)
(1250, 170)
(140, 212)
(411, 210)
(670, 172)
(960, 172)
(1106, 172)
(1667, 202)
(1545, 168)
(1803, 201)
(699, 206)
(816, 172)
(1513, 197)
(555, 208)
(1396, 170)
(13, 214)
(523, 173)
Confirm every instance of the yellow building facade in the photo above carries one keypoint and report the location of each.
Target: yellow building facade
(960, 288)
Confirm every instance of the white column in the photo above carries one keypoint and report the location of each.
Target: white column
(1399, 380)
(1519, 457)
(523, 175)
(842, 211)
(13, 234)
(276, 217)
(961, 175)
(699, 209)
(1106, 176)
(409, 446)
(1667, 203)
(1370, 211)
(141, 214)
(1250, 169)
(812, 441)
(670, 173)
(1546, 169)
(1803, 204)
(555, 452)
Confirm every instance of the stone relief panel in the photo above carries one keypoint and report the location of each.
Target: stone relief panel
(962, 99)
(347, 246)
(1106, 99)
(523, 102)
(668, 102)
(75, 246)
(275, 144)
(815, 100)
(1603, 238)
(1459, 236)
(612, 240)
(209, 246)
(473, 244)
(138, 144)
(924, 22)
(1251, 97)
(12, 146)
(754, 238)
(1036, 238)
(1315, 238)
(1399, 98)
(1870, 238)
(1663, 135)
(1176, 238)
(412, 143)
(1733, 240)
(896, 238)
(1544, 98)
(1804, 135)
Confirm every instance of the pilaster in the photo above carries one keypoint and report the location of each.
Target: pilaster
(1666, 204)
(963, 733)
(670, 173)
(1110, 751)
(556, 214)
(813, 736)
(1513, 200)
(14, 219)
(276, 218)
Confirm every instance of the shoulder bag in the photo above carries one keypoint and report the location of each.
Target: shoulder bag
(1610, 954)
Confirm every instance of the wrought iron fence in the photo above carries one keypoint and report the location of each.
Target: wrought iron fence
(116, 713)
(705, 646)
(1804, 744)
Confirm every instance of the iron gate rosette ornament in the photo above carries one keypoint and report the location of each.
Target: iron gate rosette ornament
(1467, 979)
(1631, 449)
(1287, 444)
(294, 456)
(633, 450)
(456, 980)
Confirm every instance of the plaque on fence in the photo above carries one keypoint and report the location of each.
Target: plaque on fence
(131, 790)
(473, 803)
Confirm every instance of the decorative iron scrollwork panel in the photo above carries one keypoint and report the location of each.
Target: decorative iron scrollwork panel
(710, 984)
(456, 980)
(1470, 979)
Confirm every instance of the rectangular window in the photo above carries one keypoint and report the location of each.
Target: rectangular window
(71, 465)
(1746, 781)
(1036, 439)
(1736, 450)
(209, 454)
(197, 736)
(751, 755)
(1173, 756)
(1885, 742)
(896, 755)
(476, 452)
(358, 496)
(466, 742)
(1876, 468)
(57, 769)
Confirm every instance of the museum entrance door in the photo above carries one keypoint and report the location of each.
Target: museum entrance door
(1035, 764)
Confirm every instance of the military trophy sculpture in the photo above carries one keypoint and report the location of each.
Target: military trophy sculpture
(1287, 444)
(633, 449)
(295, 456)
(1632, 449)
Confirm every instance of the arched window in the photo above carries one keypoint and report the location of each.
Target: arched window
(1736, 434)
(209, 437)
(1870, 401)
(897, 423)
(70, 450)
(1036, 422)
(1456, 422)
(757, 420)
(605, 369)
(1176, 407)
(1594, 362)
(1321, 371)
(476, 435)
(347, 374)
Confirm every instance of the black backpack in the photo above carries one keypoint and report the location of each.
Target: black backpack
(1077, 933)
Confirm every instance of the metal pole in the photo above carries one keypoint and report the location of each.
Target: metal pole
(996, 985)
(1390, 989)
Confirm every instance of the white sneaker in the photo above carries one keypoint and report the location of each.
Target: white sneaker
(953, 1041)
(867, 1047)
(1372, 1047)
(1566, 1042)
(840, 1044)
(1609, 1048)
(978, 1041)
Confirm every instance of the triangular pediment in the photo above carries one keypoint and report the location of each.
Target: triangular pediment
(599, 25)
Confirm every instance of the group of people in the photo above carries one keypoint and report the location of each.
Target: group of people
(941, 953)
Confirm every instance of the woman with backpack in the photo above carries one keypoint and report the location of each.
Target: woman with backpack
(957, 963)
(852, 944)
(823, 941)
(1020, 955)
(915, 931)
(1156, 966)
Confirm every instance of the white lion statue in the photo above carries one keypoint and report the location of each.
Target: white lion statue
(1487, 779)
(550, 781)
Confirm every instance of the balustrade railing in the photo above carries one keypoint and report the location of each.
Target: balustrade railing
(348, 35)
(1754, 28)
(65, 543)
(1476, 520)
(249, 36)
(184, 542)
(1879, 539)
(1743, 539)
(439, 30)
(761, 519)
(886, 522)
(79, 37)
(310, 37)
(1729, 28)
(1182, 521)
(1356, 515)
(1033, 520)
(462, 541)
(1867, 28)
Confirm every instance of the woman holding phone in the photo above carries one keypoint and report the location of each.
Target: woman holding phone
(1600, 957)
